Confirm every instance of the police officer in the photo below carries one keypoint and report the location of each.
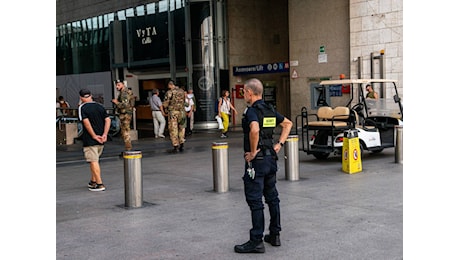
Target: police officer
(124, 108)
(174, 103)
(260, 155)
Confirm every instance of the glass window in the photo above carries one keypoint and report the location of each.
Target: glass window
(84, 27)
(108, 19)
(100, 22)
(163, 6)
(130, 12)
(89, 24)
(150, 8)
(140, 10)
(94, 23)
(87, 40)
(179, 4)
(121, 15)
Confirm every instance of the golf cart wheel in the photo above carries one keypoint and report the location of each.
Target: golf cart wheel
(320, 155)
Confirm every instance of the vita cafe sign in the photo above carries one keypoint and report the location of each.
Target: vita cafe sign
(146, 34)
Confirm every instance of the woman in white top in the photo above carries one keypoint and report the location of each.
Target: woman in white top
(225, 107)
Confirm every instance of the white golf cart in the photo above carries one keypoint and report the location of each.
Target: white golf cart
(374, 119)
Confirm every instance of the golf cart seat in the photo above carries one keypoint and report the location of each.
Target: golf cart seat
(364, 123)
(332, 118)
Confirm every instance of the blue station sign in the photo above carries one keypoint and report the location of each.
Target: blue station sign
(276, 67)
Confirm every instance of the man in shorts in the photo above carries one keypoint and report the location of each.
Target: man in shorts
(96, 125)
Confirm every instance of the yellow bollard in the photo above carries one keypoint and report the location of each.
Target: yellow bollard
(351, 152)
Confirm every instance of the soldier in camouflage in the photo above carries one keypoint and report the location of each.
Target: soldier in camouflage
(124, 108)
(174, 103)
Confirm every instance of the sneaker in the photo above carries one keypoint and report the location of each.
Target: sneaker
(97, 187)
(91, 184)
(274, 240)
(251, 247)
(223, 136)
(162, 136)
(181, 147)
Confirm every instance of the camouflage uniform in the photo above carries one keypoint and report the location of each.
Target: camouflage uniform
(175, 104)
(124, 110)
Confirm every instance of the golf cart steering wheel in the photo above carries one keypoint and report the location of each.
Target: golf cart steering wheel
(358, 107)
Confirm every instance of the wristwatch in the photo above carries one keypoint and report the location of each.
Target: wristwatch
(282, 144)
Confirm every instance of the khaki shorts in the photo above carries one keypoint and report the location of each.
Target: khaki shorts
(92, 153)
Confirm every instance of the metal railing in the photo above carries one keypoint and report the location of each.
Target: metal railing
(70, 115)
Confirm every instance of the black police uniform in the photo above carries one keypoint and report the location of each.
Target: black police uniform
(265, 166)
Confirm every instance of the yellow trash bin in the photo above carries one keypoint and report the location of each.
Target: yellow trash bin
(351, 153)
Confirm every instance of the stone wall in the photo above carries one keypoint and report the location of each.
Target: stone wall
(374, 26)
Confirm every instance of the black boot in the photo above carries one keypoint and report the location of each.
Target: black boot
(274, 240)
(174, 150)
(251, 247)
(181, 147)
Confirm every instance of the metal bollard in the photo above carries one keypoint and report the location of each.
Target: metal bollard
(220, 166)
(399, 144)
(133, 179)
(291, 158)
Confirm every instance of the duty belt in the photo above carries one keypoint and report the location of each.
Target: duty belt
(266, 152)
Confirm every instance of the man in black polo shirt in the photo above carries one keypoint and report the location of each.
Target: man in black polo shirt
(96, 125)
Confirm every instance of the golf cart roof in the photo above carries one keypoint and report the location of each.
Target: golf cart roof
(356, 81)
